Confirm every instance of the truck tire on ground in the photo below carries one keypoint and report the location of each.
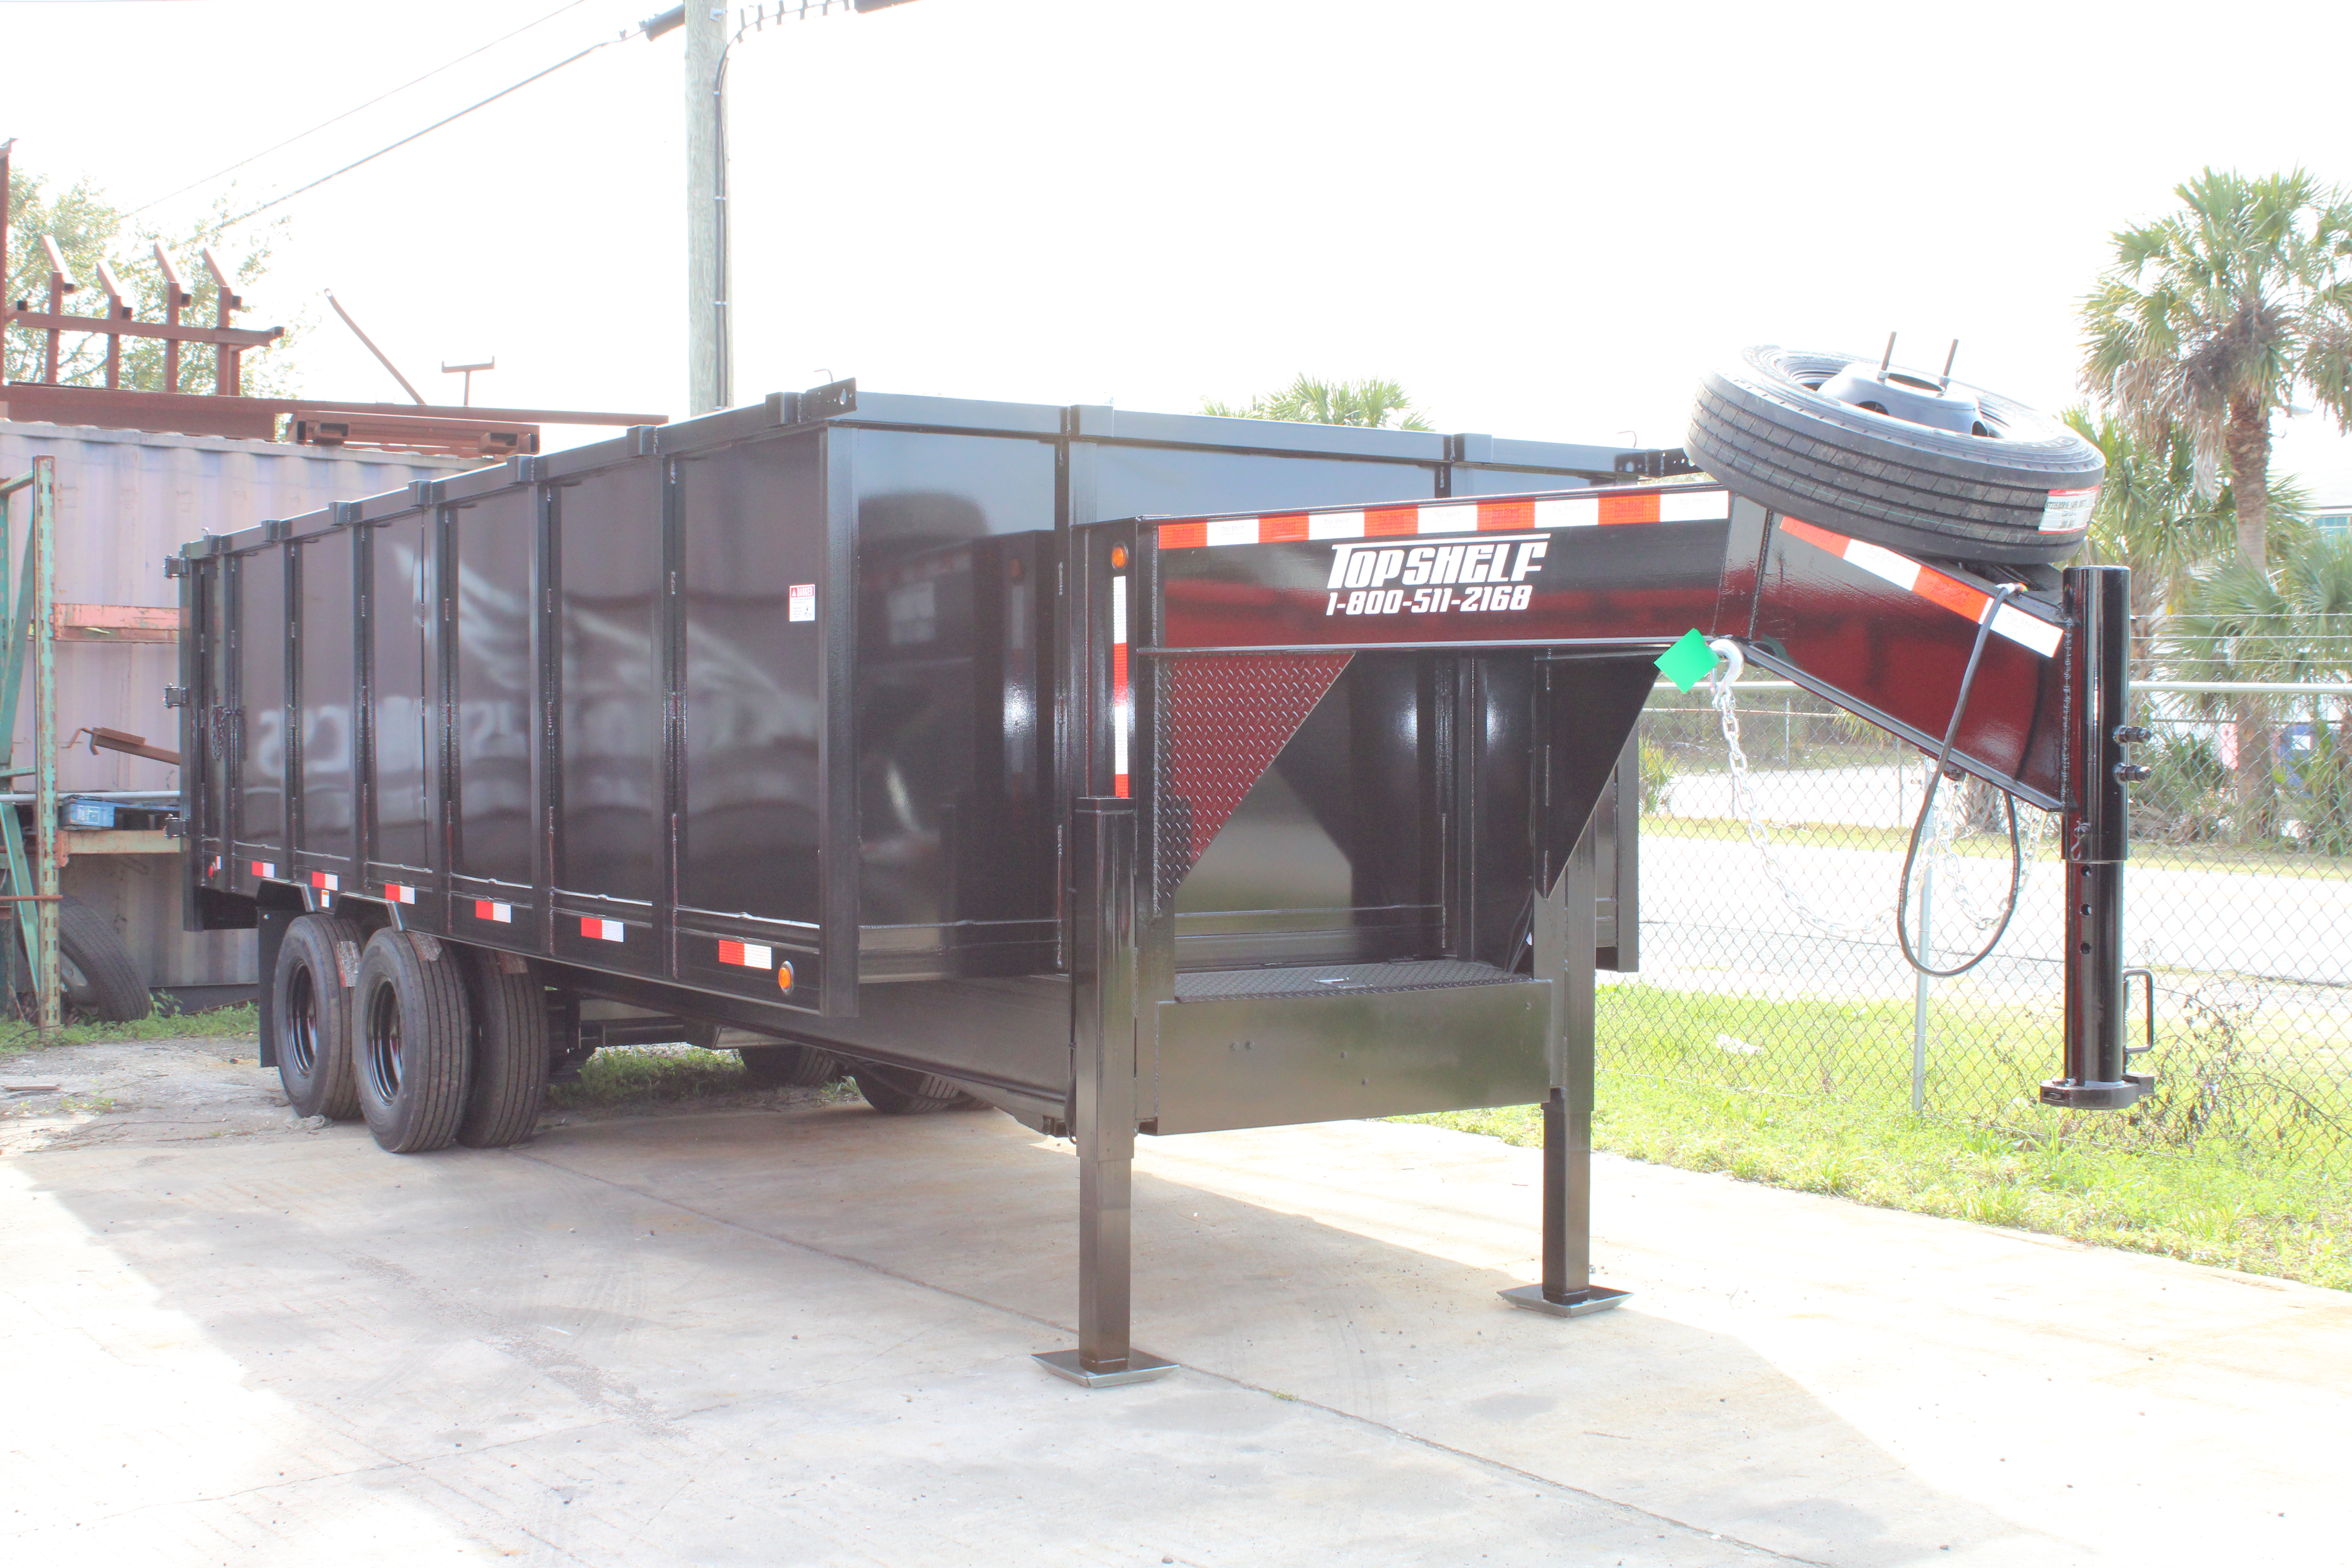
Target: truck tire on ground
(2012, 488)
(903, 1092)
(101, 978)
(310, 1009)
(511, 1052)
(788, 1067)
(412, 1041)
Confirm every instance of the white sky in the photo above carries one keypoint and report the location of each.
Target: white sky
(1546, 219)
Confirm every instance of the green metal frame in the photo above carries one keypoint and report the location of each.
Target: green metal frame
(28, 615)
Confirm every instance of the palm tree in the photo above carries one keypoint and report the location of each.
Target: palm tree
(2293, 625)
(2212, 317)
(2152, 519)
(2205, 326)
(1374, 400)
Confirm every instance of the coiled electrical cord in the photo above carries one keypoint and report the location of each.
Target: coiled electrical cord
(2000, 597)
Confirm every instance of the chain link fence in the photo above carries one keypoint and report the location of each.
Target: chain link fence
(1770, 963)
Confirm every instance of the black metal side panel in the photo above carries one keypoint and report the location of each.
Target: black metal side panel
(1165, 481)
(1269, 1061)
(260, 638)
(953, 726)
(610, 690)
(326, 650)
(403, 721)
(494, 541)
(754, 541)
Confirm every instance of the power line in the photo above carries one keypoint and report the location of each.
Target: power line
(346, 115)
(314, 184)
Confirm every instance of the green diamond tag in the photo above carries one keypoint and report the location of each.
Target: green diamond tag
(1689, 661)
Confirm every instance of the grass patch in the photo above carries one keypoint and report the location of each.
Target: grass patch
(245, 1018)
(624, 1077)
(2204, 1171)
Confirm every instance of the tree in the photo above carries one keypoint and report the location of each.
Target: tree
(2152, 519)
(2292, 624)
(1374, 400)
(2211, 318)
(2206, 325)
(89, 229)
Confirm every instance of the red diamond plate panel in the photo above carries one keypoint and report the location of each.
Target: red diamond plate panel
(1223, 718)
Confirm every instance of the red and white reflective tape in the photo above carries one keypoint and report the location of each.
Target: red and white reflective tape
(490, 910)
(1122, 699)
(600, 930)
(1694, 503)
(265, 868)
(750, 954)
(326, 881)
(396, 893)
(2025, 630)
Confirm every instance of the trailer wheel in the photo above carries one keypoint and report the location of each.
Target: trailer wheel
(511, 1054)
(788, 1067)
(311, 1011)
(412, 1039)
(903, 1092)
(101, 978)
(1902, 462)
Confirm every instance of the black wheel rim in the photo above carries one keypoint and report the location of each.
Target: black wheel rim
(302, 1023)
(383, 1042)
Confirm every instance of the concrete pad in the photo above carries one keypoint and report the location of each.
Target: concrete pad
(802, 1336)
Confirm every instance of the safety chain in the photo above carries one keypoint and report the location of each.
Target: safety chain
(1938, 845)
(1744, 804)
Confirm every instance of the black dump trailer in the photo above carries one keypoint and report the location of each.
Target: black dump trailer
(1130, 773)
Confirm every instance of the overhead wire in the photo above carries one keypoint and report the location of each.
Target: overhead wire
(371, 103)
(444, 119)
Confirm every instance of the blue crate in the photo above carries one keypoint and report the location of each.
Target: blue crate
(87, 813)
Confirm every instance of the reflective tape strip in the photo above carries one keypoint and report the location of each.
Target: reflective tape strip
(326, 881)
(265, 868)
(749, 954)
(2018, 625)
(394, 892)
(1690, 504)
(487, 910)
(602, 930)
(1122, 699)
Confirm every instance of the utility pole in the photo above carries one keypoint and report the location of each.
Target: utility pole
(706, 259)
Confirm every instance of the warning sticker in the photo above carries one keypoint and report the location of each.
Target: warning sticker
(2069, 511)
(800, 601)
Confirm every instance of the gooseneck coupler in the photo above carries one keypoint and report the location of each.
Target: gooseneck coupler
(2096, 827)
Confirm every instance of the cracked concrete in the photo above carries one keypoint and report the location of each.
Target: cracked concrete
(800, 1335)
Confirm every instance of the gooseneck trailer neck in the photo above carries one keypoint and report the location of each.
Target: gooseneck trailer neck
(1131, 774)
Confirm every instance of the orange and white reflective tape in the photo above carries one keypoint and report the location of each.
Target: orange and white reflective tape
(491, 910)
(399, 894)
(2023, 629)
(1122, 699)
(265, 868)
(749, 954)
(326, 881)
(602, 929)
(1599, 508)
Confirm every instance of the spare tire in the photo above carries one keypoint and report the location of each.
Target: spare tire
(100, 979)
(2007, 486)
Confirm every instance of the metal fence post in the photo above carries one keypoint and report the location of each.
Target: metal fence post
(1920, 989)
(45, 740)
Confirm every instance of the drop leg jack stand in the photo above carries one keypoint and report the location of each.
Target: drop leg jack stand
(1564, 940)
